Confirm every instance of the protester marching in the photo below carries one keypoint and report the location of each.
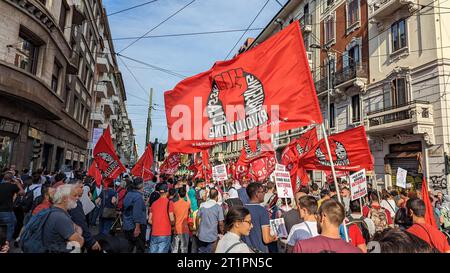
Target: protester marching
(262, 202)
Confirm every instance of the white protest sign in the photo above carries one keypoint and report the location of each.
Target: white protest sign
(283, 183)
(220, 172)
(401, 178)
(279, 167)
(358, 184)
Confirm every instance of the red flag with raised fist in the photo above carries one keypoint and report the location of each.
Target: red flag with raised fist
(269, 88)
(106, 158)
(144, 165)
(171, 164)
(95, 173)
(349, 149)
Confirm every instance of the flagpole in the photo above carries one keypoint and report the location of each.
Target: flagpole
(334, 175)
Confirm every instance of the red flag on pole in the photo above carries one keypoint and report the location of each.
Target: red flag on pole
(429, 214)
(170, 165)
(106, 158)
(95, 173)
(349, 149)
(144, 165)
(269, 87)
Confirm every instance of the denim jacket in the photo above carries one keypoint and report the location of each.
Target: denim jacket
(134, 211)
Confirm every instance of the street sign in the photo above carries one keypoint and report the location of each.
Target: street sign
(283, 183)
(358, 184)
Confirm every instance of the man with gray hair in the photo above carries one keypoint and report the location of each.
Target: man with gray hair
(59, 229)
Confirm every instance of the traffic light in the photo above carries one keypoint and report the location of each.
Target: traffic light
(37, 148)
(161, 151)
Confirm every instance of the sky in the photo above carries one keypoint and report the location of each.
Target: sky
(185, 55)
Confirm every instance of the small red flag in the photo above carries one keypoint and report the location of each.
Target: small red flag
(170, 164)
(429, 214)
(349, 149)
(144, 165)
(106, 158)
(95, 173)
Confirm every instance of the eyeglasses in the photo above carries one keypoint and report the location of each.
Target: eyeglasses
(247, 221)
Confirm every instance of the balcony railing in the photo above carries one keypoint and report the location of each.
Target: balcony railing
(321, 85)
(408, 114)
(350, 72)
(380, 9)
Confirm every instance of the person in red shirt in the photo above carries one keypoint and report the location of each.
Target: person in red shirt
(181, 209)
(47, 193)
(161, 218)
(358, 227)
(428, 233)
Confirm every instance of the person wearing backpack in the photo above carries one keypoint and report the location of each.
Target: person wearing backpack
(52, 230)
(379, 215)
(8, 189)
(360, 229)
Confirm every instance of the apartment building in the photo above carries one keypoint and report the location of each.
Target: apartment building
(406, 101)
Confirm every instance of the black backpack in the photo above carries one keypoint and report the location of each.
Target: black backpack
(362, 227)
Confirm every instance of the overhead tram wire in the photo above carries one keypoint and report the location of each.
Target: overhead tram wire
(134, 77)
(170, 72)
(249, 26)
(155, 27)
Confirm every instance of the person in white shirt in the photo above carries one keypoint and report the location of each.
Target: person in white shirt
(307, 207)
(238, 222)
(388, 202)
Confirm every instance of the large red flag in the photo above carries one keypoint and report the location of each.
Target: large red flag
(429, 214)
(95, 173)
(106, 158)
(268, 87)
(144, 165)
(171, 164)
(349, 149)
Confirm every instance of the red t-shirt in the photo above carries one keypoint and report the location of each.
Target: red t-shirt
(322, 244)
(431, 235)
(366, 211)
(355, 234)
(181, 213)
(160, 217)
(44, 205)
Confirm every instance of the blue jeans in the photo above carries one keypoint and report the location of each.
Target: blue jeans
(9, 219)
(205, 247)
(105, 225)
(160, 244)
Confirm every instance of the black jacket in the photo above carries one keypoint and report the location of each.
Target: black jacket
(78, 217)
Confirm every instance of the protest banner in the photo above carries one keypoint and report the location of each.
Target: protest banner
(220, 172)
(401, 178)
(358, 185)
(279, 167)
(283, 183)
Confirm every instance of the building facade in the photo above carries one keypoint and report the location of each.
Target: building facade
(48, 60)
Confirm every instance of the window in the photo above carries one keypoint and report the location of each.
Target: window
(67, 99)
(329, 29)
(398, 33)
(356, 113)
(332, 116)
(352, 12)
(26, 54)
(62, 16)
(352, 57)
(56, 75)
(330, 2)
(76, 105)
(398, 91)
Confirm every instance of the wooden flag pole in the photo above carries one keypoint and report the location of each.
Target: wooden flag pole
(334, 175)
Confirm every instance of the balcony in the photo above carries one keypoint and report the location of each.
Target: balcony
(97, 118)
(306, 22)
(381, 9)
(355, 74)
(110, 87)
(416, 115)
(102, 63)
(108, 106)
(321, 86)
(78, 12)
(100, 90)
